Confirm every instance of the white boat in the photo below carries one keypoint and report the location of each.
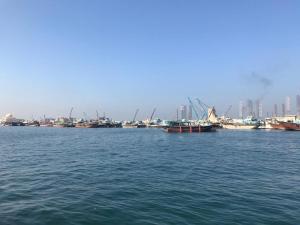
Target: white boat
(236, 126)
(241, 124)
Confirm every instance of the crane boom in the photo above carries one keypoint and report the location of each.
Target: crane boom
(151, 117)
(193, 107)
(136, 112)
(204, 108)
(227, 111)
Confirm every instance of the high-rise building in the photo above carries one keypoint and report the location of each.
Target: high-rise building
(190, 117)
(258, 108)
(275, 113)
(241, 109)
(250, 107)
(288, 105)
(183, 111)
(283, 109)
(298, 104)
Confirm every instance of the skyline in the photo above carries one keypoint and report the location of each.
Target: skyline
(115, 57)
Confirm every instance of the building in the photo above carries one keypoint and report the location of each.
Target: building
(288, 105)
(183, 112)
(298, 104)
(250, 107)
(190, 117)
(258, 109)
(260, 114)
(283, 109)
(241, 109)
(275, 113)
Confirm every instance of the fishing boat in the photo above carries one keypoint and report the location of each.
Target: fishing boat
(133, 125)
(86, 124)
(293, 126)
(241, 124)
(186, 127)
(277, 126)
(10, 120)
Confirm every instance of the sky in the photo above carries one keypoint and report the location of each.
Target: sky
(116, 56)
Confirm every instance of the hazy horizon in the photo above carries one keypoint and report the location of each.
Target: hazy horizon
(117, 56)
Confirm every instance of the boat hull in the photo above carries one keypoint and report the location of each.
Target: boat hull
(189, 129)
(239, 126)
(290, 126)
(277, 126)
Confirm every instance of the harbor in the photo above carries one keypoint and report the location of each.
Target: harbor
(206, 120)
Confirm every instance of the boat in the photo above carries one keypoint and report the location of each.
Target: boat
(186, 127)
(277, 126)
(241, 124)
(86, 125)
(63, 125)
(31, 123)
(10, 120)
(238, 126)
(133, 125)
(189, 129)
(293, 126)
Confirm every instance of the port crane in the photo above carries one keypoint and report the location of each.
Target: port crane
(193, 107)
(136, 112)
(153, 112)
(227, 111)
(204, 108)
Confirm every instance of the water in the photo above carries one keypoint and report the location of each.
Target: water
(145, 176)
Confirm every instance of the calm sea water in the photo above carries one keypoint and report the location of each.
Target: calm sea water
(145, 176)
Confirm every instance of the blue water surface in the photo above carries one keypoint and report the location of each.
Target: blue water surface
(52, 176)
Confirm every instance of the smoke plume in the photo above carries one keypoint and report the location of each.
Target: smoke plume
(261, 82)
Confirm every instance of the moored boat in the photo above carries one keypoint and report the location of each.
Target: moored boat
(293, 126)
(189, 129)
(186, 127)
(241, 124)
(133, 125)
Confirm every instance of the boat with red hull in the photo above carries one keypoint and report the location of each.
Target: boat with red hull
(289, 126)
(189, 129)
(277, 126)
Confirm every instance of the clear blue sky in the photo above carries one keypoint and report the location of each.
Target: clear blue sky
(116, 56)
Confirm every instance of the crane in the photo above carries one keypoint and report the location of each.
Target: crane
(193, 107)
(151, 117)
(136, 112)
(227, 111)
(204, 107)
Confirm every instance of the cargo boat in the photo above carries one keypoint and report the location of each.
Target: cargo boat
(179, 127)
(238, 126)
(133, 124)
(289, 126)
(241, 124)
(86, 125)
